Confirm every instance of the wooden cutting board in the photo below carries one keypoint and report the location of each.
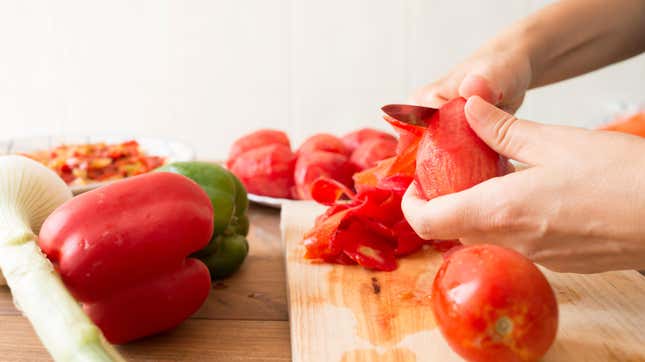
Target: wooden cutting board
(349, 314)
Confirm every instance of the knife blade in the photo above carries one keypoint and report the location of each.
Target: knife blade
(407, 113)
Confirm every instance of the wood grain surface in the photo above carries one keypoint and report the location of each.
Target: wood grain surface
(349, 314)
(244, 319)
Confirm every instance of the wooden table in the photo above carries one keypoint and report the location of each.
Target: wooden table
(244, 319)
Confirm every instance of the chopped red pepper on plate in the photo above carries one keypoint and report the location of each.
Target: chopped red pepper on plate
(97, 162)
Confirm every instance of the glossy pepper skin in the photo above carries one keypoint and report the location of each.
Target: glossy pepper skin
(123, 251)
(228, 247)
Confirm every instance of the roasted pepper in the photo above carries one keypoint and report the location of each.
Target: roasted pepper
(123, 252)
(228, 247)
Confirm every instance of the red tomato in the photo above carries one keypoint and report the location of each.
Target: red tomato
(354, 139)
(372, 151)
(311, 166)
(323, 142)
(267, 170)
(493, 304)
(259, 138)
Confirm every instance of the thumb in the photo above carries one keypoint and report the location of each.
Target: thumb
(521, 140)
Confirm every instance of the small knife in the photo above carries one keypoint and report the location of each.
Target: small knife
(407, 113)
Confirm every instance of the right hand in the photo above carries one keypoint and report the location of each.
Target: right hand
(579, 207)
(499, 72)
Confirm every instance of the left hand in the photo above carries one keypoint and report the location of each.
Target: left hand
(579, 207)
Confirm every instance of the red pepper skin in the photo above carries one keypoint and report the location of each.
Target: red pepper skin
(122, 250)
(314, 165)
(327, 191)
(403, 164)
(409, 134)
(368, 229)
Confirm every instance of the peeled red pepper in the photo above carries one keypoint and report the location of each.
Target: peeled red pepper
(122, 250)
(451, 156)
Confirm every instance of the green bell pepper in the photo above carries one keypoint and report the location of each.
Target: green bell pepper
(228, 248)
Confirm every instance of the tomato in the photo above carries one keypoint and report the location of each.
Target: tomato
(493, 304)
(323, 142)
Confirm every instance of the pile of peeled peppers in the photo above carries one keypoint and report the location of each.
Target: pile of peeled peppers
(266, 164)
(442, 154)
(140, 254)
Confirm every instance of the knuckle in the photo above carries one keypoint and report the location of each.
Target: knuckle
(503, 130)
(421, 226)
(504, 214)
(424, 232)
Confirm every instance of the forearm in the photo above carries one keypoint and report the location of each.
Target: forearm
(573, 37)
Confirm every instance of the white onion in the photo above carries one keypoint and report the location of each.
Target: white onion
(29, 192)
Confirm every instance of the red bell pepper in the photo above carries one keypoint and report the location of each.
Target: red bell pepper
(370, 152)
(451, 156)
(266, 170)
(324, 142)
(123, 251)
(257, 139)
(356, 138)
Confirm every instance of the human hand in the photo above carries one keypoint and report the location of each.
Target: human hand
(499, 72)
(579, 207)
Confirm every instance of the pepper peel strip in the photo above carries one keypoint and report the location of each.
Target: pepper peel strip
(368, 227)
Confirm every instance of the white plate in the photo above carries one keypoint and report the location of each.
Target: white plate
(273, 202)
(172, 151)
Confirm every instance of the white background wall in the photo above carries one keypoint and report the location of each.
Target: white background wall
(207, 71)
